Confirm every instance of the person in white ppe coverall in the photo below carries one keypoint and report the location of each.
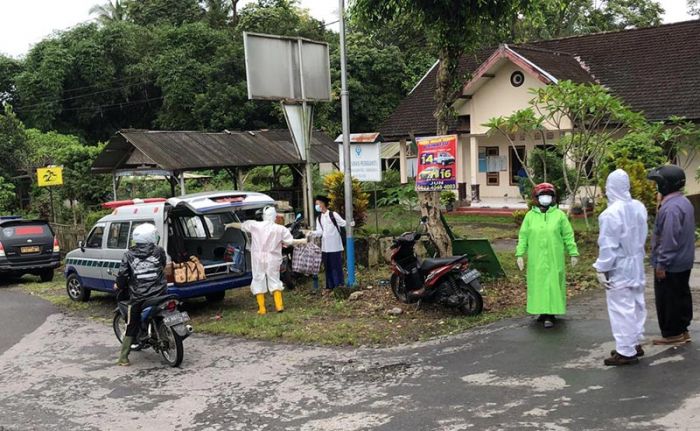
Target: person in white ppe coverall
(267, 239)
(620, 267)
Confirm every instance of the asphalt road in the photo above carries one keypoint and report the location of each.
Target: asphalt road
(20, 314)
(511, 375)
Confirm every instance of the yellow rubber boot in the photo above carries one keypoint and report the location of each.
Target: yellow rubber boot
(279, 304)
(261, 303)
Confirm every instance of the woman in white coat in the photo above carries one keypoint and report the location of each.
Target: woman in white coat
(620, 267)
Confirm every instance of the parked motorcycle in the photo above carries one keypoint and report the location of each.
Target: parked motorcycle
(288, 276)
(448, 281)
(163, 327)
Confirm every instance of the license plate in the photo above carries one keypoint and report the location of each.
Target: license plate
(30, 250)
(176, 318)
(470, 276)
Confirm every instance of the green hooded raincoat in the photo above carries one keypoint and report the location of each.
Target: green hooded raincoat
(544, 237)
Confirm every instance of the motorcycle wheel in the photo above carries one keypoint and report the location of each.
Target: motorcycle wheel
(171, 348)
(119, 326)
(473, 303)
(398, 286)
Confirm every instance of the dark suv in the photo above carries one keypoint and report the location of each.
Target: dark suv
(28, 247)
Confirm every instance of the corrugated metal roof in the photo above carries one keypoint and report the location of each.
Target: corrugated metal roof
(361, 138)
(179, 151)
(391, 150)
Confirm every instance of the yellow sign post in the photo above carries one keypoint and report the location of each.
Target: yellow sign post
(49, 177)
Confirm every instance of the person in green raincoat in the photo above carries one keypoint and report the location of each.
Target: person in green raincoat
(545, 237)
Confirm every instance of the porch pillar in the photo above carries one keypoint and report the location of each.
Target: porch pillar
(474, 167)
(183, 192)
(403, 161)
(459, 157)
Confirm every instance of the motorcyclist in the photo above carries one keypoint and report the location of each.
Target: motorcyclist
(142, 274)
(673, 255)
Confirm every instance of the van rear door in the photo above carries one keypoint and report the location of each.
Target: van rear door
(205, 203)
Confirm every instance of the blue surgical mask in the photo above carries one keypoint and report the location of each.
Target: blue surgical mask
(317, 208)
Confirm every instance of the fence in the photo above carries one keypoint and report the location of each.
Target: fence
(68, 236)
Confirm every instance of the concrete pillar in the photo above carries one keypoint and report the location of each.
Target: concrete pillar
(474, 167)
(403, 161)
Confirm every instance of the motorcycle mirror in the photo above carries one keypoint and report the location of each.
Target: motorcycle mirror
(299, 217)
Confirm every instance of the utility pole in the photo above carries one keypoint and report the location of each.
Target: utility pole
(345, 108)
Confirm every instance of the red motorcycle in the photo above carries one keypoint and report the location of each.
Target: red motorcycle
(448, 281)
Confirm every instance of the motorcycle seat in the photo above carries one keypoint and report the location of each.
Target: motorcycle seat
(430, 264)
(156, 300)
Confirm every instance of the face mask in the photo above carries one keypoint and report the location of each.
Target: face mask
(545, 200)
(318, 208)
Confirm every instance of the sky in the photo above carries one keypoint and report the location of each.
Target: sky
(25, 22)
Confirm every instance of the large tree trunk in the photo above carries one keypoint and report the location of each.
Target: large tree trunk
(444, 96)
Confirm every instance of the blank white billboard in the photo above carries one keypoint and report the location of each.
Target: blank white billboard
(286, 68)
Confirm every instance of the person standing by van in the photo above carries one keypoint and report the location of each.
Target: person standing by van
(328, 227)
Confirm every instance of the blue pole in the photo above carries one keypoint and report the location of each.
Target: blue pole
(350, 251)
(345, 114)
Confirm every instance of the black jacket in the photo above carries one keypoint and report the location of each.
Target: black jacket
(143, 271)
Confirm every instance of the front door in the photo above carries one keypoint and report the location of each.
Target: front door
(87, 263)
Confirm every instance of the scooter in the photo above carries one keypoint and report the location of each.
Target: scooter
(448, 281)
(163, 327)
(288, 276)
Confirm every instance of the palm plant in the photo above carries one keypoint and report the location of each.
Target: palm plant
(110, 12)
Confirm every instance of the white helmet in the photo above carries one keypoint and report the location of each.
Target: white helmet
(269, 214)
(145, 234)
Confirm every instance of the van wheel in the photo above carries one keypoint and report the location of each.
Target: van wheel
(46, 275)
(76, 290)
(216, 297)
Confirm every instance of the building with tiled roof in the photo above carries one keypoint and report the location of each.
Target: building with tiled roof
(655, 71)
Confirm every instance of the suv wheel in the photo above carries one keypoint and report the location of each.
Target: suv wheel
(46, 275)
(76, 290)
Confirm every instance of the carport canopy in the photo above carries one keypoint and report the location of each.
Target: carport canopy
(147, 152)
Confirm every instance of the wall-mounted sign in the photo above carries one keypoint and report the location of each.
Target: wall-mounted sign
(437, 169)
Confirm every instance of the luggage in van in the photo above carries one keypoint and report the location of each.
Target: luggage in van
(190, 271)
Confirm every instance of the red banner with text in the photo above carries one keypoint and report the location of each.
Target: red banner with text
(437, 168)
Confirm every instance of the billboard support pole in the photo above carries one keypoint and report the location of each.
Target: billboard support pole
(345, 108)
(307, 121)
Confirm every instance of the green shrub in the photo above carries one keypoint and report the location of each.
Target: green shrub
(335, 186)
(447, 198)
(519, 216)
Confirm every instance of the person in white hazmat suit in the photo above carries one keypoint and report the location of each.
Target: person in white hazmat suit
(267, 238)
(620, 267)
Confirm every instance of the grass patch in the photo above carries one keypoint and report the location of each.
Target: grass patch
(335, 320)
